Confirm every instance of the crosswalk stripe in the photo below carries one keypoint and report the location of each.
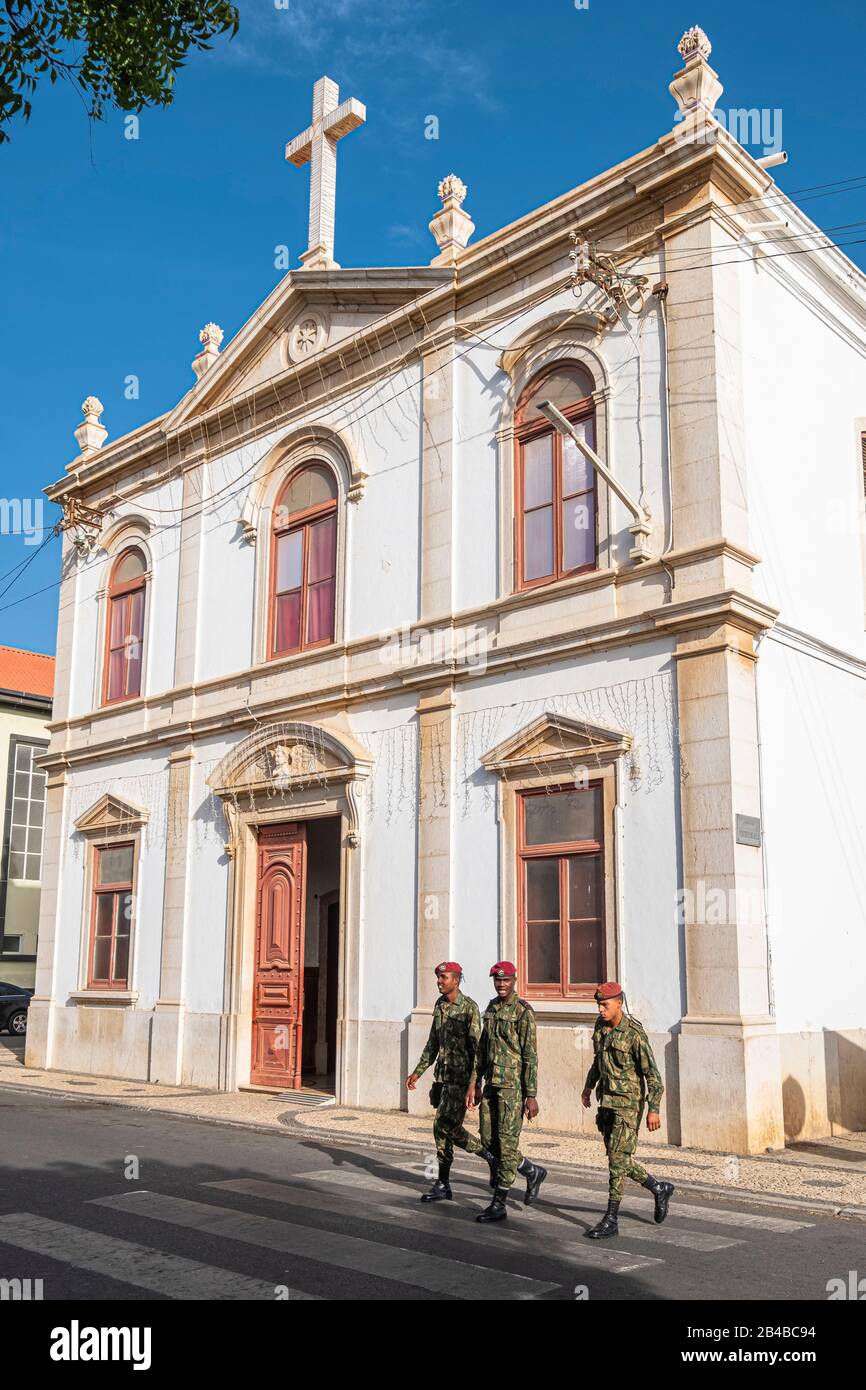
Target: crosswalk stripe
(721, 1216)
(130, 1263)
(432, 1272)
(430, 1220)
(631, 1227)
(634, 1230)
(711, 1214)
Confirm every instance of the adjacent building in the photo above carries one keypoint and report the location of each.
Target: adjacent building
(26, 687)
(510, 605)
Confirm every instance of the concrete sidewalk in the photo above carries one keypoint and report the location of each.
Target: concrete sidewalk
(827, 1175)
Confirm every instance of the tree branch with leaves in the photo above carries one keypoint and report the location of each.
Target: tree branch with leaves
(124, 54)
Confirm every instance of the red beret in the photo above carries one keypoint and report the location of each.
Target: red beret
(610, 990)
(503, 968)
(448, 967)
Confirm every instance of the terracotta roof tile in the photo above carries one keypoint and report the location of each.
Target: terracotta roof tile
(26, 673)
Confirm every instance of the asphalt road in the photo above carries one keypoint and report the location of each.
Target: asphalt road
(102, 1203)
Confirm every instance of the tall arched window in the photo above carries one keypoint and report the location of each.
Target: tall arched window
(303, 562)
(125, 626)
(555, 487)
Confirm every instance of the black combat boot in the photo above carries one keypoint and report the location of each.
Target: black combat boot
(493, 1164)
(441, 1189)
(497, 1210)
(662, 1191)
(535, 1175)
(608, 1225)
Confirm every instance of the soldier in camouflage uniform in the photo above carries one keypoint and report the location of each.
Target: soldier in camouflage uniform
(625, 1075)
(453, 1045)
(508, 1063)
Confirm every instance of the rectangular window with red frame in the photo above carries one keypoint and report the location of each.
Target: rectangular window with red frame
(561, 951)
(111, 921)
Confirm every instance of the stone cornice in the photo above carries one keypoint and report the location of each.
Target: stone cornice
(731, 607)
(610, 203)
(617, 197)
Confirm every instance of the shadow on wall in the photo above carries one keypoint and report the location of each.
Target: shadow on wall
(834, 1101)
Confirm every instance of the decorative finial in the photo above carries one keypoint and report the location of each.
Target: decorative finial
(693, 41)
(211, 333)
(91, 435)
(451, 227)
(696, 86)
(451, 188)
(210, 338)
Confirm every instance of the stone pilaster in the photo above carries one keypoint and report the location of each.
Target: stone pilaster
(66, 611)
(435, 710)
(194, 483)
(708, 484)
(435, 769)
(730, 1082)
(166, 1061)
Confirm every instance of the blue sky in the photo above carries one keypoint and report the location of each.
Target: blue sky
(116, 251)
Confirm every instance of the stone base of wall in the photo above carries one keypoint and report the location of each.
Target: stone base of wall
(821, 1076)
(823, 1083)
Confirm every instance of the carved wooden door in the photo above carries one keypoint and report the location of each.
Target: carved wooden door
(278, 971)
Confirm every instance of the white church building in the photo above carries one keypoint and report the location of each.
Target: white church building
(506, 606)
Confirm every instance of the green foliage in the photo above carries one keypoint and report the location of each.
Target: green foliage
(124, 53)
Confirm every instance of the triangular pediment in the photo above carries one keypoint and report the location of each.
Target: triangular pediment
(111, 813)
(308, 315)
(554, 738)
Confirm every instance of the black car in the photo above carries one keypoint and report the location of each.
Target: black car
(14, 1003)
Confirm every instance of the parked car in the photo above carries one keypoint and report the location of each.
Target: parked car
(14, 1003)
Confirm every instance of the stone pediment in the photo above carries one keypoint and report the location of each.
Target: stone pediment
(309, 313)
(290, 754)
(111, 814)
(556, 738)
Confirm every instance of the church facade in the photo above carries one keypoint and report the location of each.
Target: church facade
(510, 606)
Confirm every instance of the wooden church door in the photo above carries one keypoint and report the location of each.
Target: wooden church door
(278, 972)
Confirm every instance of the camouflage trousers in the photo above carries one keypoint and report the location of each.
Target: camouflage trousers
(448, 1124)
(619, 1129)
(501, 1121)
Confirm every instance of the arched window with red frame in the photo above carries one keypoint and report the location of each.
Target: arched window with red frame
(124, 638)
(303, 585)
(555, 486)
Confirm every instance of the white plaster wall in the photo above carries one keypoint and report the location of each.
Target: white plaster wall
(389, 860)
(207, 886)
(382, 531)
(804, 388)
(814, 772)
(650, 939)
(161, 613)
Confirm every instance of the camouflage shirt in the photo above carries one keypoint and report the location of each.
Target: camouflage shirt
(453, 1041)
(507, 1055)
(624, 1067)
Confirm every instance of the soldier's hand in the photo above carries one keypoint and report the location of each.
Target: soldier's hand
(653, 1121)
(411, 1082)
(530, 1107)
(586, 1097)
(473, 1097)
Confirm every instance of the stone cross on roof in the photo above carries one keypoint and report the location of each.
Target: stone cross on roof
(318, 145)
